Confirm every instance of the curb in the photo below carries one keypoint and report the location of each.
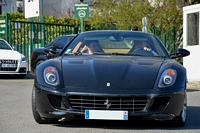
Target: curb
(193, 85)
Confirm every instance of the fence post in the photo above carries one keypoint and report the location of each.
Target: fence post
(165, 40)
(42, 32)
(129, 27)
(9, 31)
(173, 38)
(31, 36)
(100, 27)
(75, 29)
(7, 28)
(153, 30)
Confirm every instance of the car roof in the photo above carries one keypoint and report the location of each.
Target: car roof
(72, 35)
(95, 31)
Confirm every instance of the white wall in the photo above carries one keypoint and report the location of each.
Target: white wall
(10, 7)
(191, 28)
(50, 7)
(59, 7)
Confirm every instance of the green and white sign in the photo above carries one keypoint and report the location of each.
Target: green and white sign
(81, 10)
(2, 27)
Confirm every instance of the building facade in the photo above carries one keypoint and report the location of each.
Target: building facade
(55, 8)
(11, 6)
(59, 8)
(191, 41)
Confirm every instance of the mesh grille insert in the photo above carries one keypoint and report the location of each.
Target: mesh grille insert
(108, 103)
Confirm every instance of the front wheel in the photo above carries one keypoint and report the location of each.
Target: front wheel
(181, 119)
(39, 62)
(37, 116)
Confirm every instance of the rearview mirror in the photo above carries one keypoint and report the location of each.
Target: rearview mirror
(180, 53)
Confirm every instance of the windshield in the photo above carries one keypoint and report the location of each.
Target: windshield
(116, 42)
(4, 45)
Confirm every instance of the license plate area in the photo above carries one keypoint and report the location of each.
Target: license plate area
(9, 65)
(106, 115)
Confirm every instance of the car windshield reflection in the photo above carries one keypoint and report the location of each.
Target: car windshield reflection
(124, 43)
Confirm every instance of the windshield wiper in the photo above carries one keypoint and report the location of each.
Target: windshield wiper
(118, 53)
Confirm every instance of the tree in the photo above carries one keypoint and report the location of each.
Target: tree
(130, 12)
(163, 15)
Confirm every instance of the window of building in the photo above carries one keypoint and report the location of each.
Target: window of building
(193, 29)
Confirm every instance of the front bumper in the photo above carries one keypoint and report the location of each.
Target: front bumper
(146, 104)
(21, 68)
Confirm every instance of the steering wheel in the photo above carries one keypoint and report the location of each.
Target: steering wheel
(138, 49)
(141, 51)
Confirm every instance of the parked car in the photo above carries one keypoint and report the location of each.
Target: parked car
(11, 61)
(38, 55)
(99, 76)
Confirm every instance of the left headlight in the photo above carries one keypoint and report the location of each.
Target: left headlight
(168, 78)
(51, 76)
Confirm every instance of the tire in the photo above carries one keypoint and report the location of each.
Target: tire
(39, 62)
(180, 120)
(37, 116)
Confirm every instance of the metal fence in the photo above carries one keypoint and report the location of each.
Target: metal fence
(170, 38)
(27, 36)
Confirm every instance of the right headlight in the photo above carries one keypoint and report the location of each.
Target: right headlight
(168, 78)
(24, 58)
(51, 76)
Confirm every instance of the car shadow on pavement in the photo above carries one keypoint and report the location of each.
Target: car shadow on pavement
(192, 90)
(7, 77)
(193, 122)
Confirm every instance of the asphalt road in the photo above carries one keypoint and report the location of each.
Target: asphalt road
(16, 115)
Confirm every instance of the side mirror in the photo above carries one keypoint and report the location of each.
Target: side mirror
(51, 51)
(180, 53)
(14, 47)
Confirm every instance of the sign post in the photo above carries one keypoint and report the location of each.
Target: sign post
(32, 8)
(144, 22)
(81, 11)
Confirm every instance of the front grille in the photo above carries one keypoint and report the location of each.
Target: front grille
(82, 103)
(8, 65)
(56, 101)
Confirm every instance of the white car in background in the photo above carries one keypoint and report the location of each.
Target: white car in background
(11, 61)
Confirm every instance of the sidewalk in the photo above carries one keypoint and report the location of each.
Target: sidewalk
(193, 85)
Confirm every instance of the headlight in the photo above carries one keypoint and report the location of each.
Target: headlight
(168, 78)
(24, 59)
(51, 76)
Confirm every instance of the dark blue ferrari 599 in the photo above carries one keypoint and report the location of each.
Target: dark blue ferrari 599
(111, 75)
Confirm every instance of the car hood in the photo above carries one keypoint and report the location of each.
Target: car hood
(10, 54)
(111, 72)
